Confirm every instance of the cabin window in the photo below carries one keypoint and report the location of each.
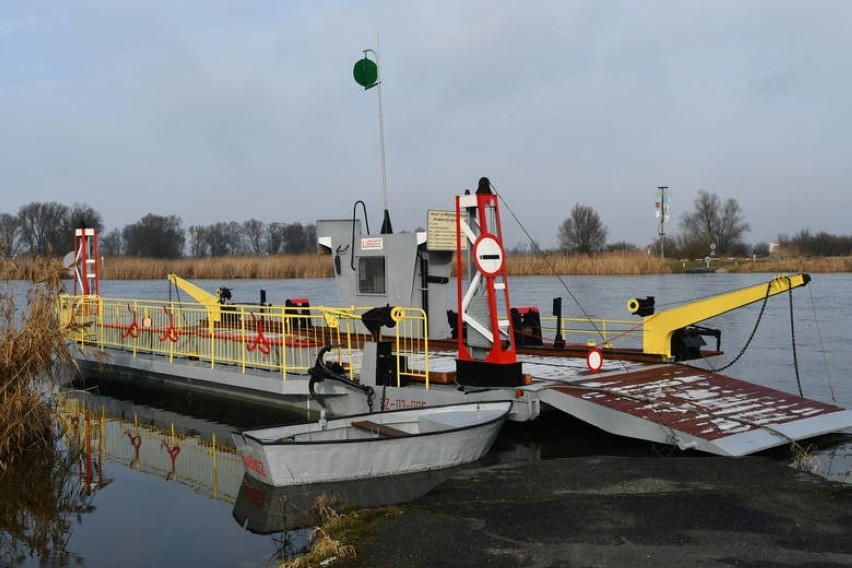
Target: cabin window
(371, 275)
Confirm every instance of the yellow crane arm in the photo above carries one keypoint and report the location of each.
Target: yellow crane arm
(201, 296)
(660, 327)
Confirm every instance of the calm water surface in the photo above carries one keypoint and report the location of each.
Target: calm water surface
(146, 504)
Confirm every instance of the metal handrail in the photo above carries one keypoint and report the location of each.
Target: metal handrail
(285, 339)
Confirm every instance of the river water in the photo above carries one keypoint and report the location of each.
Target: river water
(154, 486)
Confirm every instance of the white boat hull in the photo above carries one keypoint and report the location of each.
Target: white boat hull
(432, 438)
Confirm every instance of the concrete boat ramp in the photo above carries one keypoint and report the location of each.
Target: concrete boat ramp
(675, 404)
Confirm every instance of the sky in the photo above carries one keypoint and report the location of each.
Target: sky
(231, 110)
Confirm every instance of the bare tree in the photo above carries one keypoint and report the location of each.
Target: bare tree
(82, 215)
(44, 228)
(712, 222)
(254, 231)
(198, 242)
(311, 237)
(10, 242)
(275, 238)
(295, 239)
(111, 243)
(225, 239)
(155, 236)
(583, 231)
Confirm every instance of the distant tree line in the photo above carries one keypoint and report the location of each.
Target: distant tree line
(251, 237)
(48, 229)
(712, 225)
(819, 244)
(41, 228)
(44, 228)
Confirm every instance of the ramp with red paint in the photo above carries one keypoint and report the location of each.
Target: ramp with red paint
(695, 409)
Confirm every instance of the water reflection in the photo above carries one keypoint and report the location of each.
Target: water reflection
(166, 444)
(287, 514)
(124, 463)
(41, 500)
(266, 509)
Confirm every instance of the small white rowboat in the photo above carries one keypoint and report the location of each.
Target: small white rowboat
(372, 445)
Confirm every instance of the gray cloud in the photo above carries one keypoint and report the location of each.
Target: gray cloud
(226, 111)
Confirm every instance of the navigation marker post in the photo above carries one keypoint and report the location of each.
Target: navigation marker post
(664, 213)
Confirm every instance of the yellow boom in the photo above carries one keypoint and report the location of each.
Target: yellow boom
(201, 296)
(659, 328)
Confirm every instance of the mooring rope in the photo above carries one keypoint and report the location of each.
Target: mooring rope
(822, 348)
(552, 269)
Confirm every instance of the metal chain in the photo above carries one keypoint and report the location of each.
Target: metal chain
(793, 341)
(750, 337)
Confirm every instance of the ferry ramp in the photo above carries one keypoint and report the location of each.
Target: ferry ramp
(695, 409)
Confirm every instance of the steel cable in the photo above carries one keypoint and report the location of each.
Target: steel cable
(793, 342)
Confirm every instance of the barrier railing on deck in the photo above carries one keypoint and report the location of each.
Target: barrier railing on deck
(595, 331)
(285, 339)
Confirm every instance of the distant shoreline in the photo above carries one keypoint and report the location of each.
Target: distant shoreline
(320, 266)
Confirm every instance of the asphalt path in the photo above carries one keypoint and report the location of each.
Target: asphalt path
(619, 511)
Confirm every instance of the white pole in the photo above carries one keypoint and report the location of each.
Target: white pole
(663, 189)
(381, 122)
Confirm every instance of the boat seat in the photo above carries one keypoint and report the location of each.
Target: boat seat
(382, 430)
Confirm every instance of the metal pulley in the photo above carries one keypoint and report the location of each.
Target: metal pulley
(641, 306)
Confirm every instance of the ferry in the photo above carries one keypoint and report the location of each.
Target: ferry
(394, 343)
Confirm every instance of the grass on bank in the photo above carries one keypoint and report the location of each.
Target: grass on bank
(31, 342)
(320, 266)
(822, 264)
(332, 535)
(225, 267)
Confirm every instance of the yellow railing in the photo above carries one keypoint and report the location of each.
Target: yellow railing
(284, 339)
(595, 331)
(206, 465)
(412, 344)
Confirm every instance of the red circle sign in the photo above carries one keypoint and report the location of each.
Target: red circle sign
(594, 360)
(488, 254)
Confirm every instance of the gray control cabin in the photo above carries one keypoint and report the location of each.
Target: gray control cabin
(400, 269)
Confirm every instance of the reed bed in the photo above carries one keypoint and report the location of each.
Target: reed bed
(820, 264)
(617, 263)
(227, 267)
(320, 266)
(31, 342)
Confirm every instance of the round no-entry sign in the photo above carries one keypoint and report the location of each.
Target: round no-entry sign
(594, 359)
(488, 254)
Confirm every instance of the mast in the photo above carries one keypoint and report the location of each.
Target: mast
(663, 214)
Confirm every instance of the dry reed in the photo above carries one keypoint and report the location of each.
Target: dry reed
(30, 343)
(621, 263)
(327, 541)
(225, 267)
(820, 264)
(320, 266)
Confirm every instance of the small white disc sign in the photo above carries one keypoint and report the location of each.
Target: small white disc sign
(488, 255)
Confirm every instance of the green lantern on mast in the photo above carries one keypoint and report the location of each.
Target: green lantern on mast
(366, 72)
